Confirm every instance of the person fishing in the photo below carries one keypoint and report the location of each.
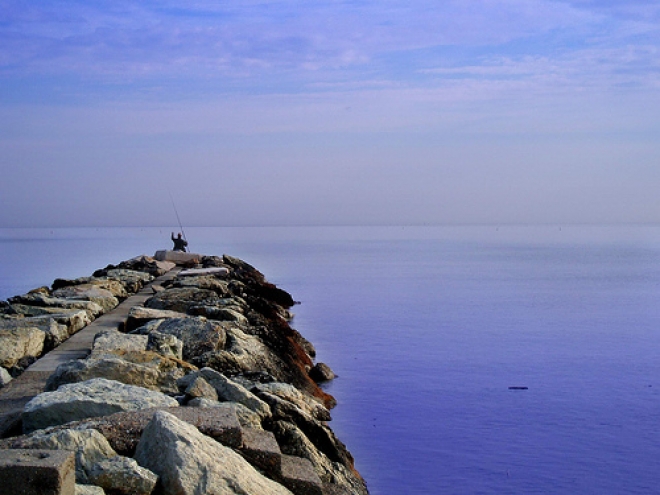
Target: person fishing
(179, 243)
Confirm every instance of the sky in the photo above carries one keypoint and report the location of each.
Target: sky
(329, 112)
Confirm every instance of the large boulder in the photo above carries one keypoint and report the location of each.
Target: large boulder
(227, 390)
(89, 292)
(293, 441)
(44, 300)
(289, 393)
(142, 369)
(132, 280)
(123, 476)
(110, 341)
(139, 315)
(182, 298)
(96, 397)
(89, 447)
(190, 463)
(197, 334)
(58, 324)
(20, 342)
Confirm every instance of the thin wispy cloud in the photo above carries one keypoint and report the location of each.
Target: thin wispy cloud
(332, 103)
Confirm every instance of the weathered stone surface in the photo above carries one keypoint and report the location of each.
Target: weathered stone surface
(294, 442)
(31, 472)
(261, 450)
(227, 390)
(89, 292)
(132, 280)
(185, 460)
(19, 342)
(202, 389)
(139, 315)
(123, 475)
(291, 394)
(89, 447)
(164, 344)
(180, 299)
(208, 282)
(220, 271)
(318, 433)
(197, 334)
(55, 321)
(142, 263)
(246, 416)
(110, 341)
(5, 377)
(298, 475)
(321, 372)
(96, 397)
(91, 307)
(153, 372)
(219, 313)
(89, 490)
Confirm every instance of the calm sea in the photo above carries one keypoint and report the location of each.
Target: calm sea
(428, 328)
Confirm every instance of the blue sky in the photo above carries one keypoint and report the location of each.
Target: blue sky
(329, 112)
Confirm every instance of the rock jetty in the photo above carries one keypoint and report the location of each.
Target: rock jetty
(196, 383)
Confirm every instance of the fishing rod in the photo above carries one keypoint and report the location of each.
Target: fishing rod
(177, 217)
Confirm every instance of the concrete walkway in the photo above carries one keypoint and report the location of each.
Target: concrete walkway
(33, 380)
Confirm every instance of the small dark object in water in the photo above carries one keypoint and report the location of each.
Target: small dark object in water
(518, 388)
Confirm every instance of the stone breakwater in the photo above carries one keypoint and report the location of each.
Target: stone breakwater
(205, 388)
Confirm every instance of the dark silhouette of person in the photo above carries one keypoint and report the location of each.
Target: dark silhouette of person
(179, 243)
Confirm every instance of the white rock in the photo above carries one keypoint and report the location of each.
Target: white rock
(89, 490)
(123, 475)
(190, 463)
(5, 377)
(91, 398)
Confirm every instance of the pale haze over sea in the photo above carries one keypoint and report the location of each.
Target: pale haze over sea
(329, 113)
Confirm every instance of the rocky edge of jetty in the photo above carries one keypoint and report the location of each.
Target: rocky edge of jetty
(206, 388)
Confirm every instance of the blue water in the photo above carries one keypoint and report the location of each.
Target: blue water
(428, 328)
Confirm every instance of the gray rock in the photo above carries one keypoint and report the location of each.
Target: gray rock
(226, 313)
(246, 417)
(110, 341)
(181, 298)
(294, 442)
(89, 447)
(20, 342)
(89, 490)
(189, 463)
(156, 373)
(228, 390)
(321, 372)
(123, 475)
(202, 389)
(308, 404)
(208, 282)
(164, 344)
(89, 292)
(36, 299)
(197, 334)
(132, 280)
(139, 315)
(96, 397)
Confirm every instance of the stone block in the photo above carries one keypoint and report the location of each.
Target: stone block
(261, 450)
(37, 472)
(298, 475)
